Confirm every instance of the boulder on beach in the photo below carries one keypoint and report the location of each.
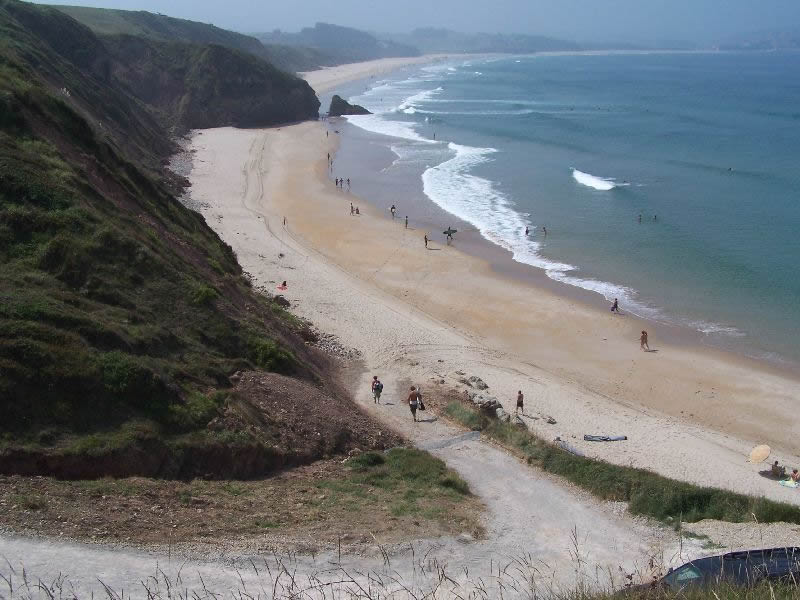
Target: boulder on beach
(340, 107)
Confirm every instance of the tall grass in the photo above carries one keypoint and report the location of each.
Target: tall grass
(646, 493)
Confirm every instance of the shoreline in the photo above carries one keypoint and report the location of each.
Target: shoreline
(360, 154)
(675, 328)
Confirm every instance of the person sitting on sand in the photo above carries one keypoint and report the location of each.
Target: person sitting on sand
(357, 211)
(412, 402)
(777, 470)
(643, 341)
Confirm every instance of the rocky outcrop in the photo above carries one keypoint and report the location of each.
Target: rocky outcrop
(341, 107)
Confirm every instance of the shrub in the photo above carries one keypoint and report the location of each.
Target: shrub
(270, 356)
(202, 294)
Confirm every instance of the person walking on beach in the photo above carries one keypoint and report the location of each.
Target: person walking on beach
(615, 306)
(393, 210)
(413, 403)
(643, 342)
(520, 402)
(336, 182)
(348, 184)
(352, 210)
(426, 240)
(406, 221)
(377, 389)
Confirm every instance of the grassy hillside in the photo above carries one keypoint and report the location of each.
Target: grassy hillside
(340, 44)
(122, 315)
(196, 86)
(168, 29)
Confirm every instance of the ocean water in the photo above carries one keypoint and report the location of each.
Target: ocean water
(705, 147)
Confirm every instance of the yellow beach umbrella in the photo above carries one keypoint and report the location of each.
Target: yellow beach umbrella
(760, 453)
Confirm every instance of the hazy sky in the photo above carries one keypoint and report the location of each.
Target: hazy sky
(581, 20)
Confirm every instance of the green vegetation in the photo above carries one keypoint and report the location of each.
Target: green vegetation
(160, 28)
(645, 492)
(337, 44)
(410, 481)
(122, 314)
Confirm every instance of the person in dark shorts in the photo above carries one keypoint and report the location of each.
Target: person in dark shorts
(520, 401)
(412, 403)
(377, 390)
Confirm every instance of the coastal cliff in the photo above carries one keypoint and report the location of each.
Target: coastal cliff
(123, 315)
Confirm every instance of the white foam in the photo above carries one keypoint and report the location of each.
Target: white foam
(592, 181)
(475, 200)
(383, 126)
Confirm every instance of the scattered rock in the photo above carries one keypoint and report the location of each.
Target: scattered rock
(281, 301)
(502, 415)
(549, 420)
(465, 538)
(477, 383)
(517, 420)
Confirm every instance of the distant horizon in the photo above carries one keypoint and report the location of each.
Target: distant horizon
(623, 22)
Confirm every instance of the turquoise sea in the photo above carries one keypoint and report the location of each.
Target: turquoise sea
(705, 147)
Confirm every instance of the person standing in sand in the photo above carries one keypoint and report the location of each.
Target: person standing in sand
(393, 210)
(412, 403)
(348, 184)
(352, 210)
(406, 221)
(426, 240)
(615, 306)
(520, 402)
(643, 341)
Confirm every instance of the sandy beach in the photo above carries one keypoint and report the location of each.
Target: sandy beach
(326, 79)
(689, 412)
